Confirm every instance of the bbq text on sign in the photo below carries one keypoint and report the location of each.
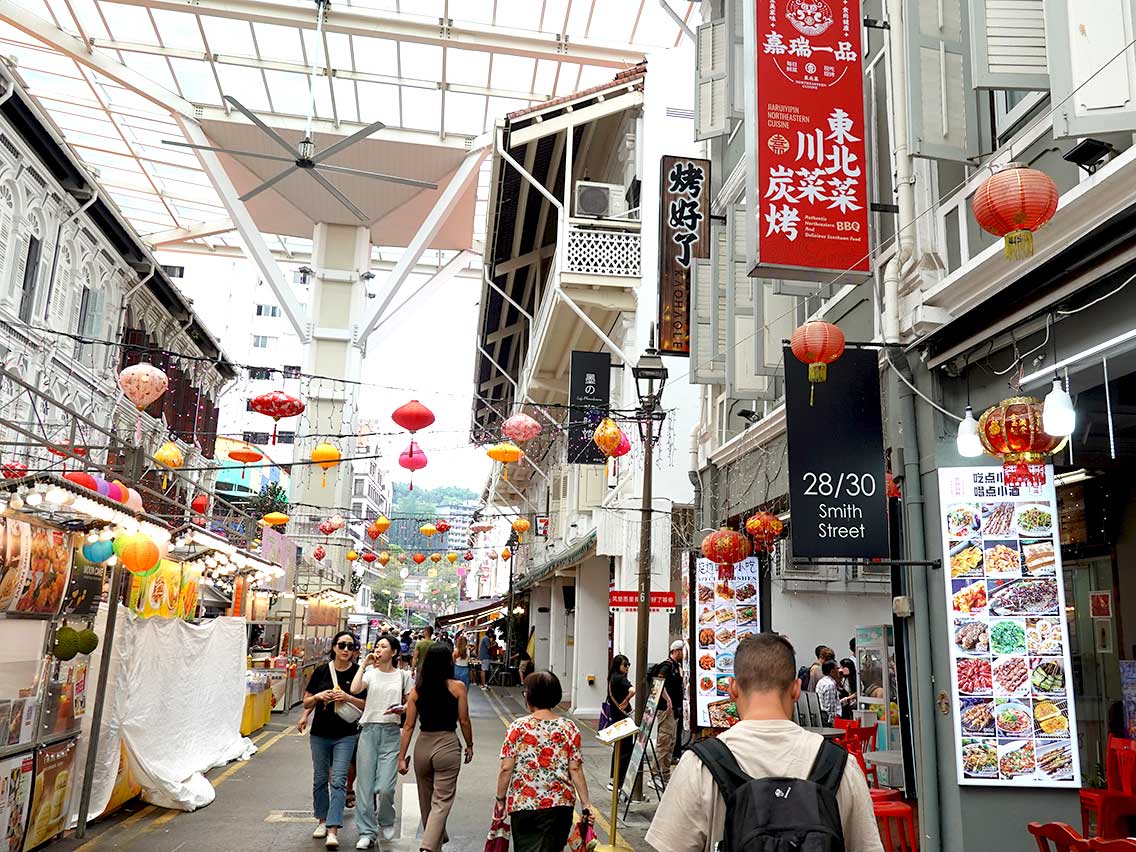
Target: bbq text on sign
(812, 219)
(684, 236)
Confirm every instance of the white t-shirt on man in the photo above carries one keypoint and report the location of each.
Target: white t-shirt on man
(385, 689)
(692, 816)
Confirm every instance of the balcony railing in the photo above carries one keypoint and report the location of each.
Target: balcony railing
(603, 251)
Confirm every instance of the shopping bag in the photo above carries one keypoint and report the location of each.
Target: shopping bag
(605, 717)
(582, 838)
(498, 838)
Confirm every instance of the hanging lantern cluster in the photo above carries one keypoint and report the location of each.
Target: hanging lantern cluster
(765, 529)
(1013, 203)
(378, 526)
(1012, 431)
(507, 454)
(428, 530)
(520, 428)
(817, 343)
(326, 456)
(142, 384)
(277, 405)
(413, 417)
(725, 548)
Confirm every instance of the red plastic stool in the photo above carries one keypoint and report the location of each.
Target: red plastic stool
(886, 811)
(884, 794)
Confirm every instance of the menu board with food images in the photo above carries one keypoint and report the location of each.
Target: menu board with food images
(15, 789)
(51, 793)
(35, 564)
(1014, 710)
(723, 611)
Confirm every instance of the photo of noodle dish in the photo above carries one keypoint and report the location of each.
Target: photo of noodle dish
(979, 758)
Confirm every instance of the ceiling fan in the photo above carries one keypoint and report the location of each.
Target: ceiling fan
(304, 156)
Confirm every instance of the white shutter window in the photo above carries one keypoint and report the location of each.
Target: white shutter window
(16, 282)
(708, 324)
(46, 261)
(712, 58)
(61, 289)
(7, 212)
(1008, 44)
(942, 107)
(1091, 70)
(780, 321)
(590, 486)
(746, 376)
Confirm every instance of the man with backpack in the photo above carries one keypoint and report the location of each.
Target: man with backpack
(670, 707)
(765, 784)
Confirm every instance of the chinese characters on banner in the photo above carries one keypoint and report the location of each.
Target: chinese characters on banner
(811, 171)
(684, 235)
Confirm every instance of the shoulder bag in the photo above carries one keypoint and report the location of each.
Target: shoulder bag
(345, 710)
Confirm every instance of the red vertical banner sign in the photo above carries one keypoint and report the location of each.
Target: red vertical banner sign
(684, 235)
(812, 185)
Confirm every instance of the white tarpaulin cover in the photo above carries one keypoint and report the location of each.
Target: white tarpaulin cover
(185, 691)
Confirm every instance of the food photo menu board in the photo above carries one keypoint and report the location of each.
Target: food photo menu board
(724, 611)
(1015, 722)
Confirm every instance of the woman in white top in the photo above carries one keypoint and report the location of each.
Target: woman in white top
(377, 761)
(461, 660)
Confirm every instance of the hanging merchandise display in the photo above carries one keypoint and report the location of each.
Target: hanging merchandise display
(245, 455)
(412, 459)
(275, 519)
(378, 526)
(277, 405)
(142, 384)
(765, 529)
(1012, 431)
(506, 454)
(428, 530)
(725, 548)
(169, 455)
(608, 437)
(520, 527)
(319, 553)
(326, 456)
(1013, 203)
(520, 428)
(817, 343)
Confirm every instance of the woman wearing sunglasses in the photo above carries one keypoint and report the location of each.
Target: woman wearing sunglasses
(334, 732)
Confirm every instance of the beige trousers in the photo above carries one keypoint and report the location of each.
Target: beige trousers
(664, 745)
(437, 760)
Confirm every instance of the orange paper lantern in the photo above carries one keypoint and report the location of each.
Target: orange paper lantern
(506, 453)
(520, 527)
(327, 457)
(139, 555)
(378, 526)
(608, 436)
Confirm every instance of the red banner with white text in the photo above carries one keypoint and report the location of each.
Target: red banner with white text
(812, 223)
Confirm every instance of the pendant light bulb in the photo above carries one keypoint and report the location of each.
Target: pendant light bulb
(968, 443)
(1058, 417)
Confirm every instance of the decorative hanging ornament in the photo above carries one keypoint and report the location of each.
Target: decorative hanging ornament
(428, 530)
(327, 528)
(245, 455)
(765, 528)
(337, 522)
(608, 436)
(1012, 431)
(443, 526)
(170, 456)
(142, 384)
(14, 470)
(419, 558)
(520, 527)
(369, 557)
(63, 454)
(520, 428)
(1013, 203)
(624, 445)
(352, 556)
(491, 556)
(319, 553)
(384, 558)
(451, 557)
(505, 453)
(468, 556)
(139, 555)
(506, 554)
(276, 404)
(378, 526)
(327, 457)
(725, 548)
(200, 504)
(413, 416)
(275, 519)
(412, 459)
(83, 480)
(817, 343)
(402, 558)
(435, 558)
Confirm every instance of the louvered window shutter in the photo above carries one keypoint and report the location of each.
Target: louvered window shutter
(16, 282)
(713, 47)
(61, 289)
(744, 372)
(708, 325)
(942, 106)
(1008, 44)
(6, 214)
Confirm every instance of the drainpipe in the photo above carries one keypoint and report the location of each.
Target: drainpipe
(904, 174)
(126, 300)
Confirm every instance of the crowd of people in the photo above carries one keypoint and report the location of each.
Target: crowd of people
(402, 705)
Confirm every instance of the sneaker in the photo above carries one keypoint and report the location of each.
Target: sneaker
(388, 832)
(364, 842)
(321, 831)
(608, 785)
(332, 842)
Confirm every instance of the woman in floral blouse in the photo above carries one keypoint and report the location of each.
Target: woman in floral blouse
(541, 771)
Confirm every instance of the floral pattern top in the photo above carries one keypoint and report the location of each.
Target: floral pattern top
(541, 750)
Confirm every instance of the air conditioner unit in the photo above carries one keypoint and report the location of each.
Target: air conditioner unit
(600, 200)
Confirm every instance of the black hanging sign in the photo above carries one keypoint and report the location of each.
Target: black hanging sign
(837, 491)
(589, 394)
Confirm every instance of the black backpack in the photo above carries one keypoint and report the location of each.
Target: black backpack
(778, 814)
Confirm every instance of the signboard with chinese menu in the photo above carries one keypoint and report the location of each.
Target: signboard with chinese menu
(684, 235)
(628, 601)
(722, 612)
(812, 219)
(1011, 676)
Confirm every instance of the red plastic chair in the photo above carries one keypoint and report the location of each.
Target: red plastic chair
(901, 814)
(1114, 805)
(844, 725)
(1062, 836)
(1098, 845)
(857, 740)
(884, 794)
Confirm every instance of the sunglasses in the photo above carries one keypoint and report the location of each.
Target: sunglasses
(345, 646)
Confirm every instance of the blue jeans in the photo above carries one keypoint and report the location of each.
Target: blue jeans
(330, 761)
(376, 773)
(462, 674)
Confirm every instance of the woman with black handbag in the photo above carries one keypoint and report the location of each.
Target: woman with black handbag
(334, 733)
(619, 695)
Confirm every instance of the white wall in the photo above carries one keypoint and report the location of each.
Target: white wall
(809, 619)
(589, 637)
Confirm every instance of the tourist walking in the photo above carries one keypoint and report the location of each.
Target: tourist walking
(387, 689)
(541, 774)
(829, 809)
(334, 726)
(670, 708)
(619, 695)
(461, 661)
(438, 705)
(823, 654)
(828, 691)
(485, 657)
(422, 646)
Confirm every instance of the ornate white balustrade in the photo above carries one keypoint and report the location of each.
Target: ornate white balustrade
(603, 251)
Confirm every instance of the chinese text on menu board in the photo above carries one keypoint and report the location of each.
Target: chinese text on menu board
(1013, 708)
(724, 611)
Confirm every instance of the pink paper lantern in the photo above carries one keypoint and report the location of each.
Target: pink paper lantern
(520, 428)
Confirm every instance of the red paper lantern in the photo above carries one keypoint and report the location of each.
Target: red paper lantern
(892, 485)
(1013, 203)
(418, 558)
(412, 459)
(200, 503)
(66, 445)
(83, 480)
(276, 404)
(468, 556)
(726, 547)
(14, 470)
(766, 528)
(413, 416)
(817, 343)
(369, 557)
(319, 553)
(1012, 431)
(327, 528)
(442, 526)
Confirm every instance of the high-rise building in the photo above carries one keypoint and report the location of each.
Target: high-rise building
(459, 516)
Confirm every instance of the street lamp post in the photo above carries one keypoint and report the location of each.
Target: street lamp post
(649, 373)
